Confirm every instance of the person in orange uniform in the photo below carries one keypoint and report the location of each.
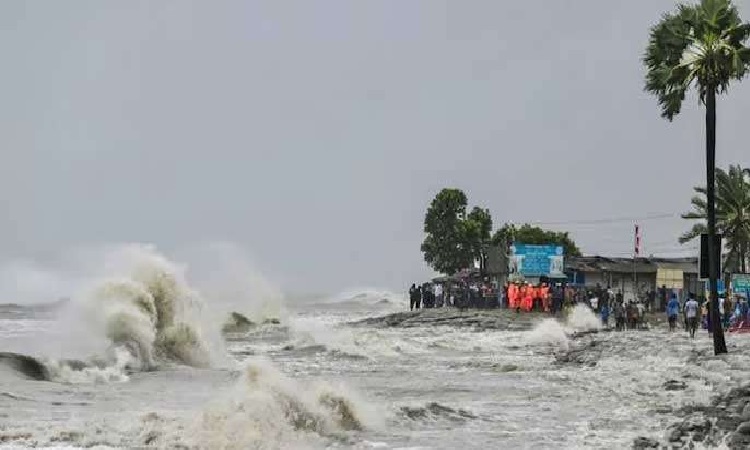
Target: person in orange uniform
(528, 299)
(534, 294)
(512, 295)
(545, 297)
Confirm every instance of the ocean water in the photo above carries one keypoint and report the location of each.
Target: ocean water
(136, 360)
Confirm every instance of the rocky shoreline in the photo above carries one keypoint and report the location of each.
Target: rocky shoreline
(493, 319)
(724, 422)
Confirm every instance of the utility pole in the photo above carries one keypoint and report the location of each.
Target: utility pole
(636, 253)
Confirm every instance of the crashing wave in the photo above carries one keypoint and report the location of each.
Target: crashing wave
(151, 312)
(270, 410)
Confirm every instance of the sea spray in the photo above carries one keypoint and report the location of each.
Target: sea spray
(267, 409)
(582, 318)
(226, 275)
(150, 310)
(128, 299)
(549, 332)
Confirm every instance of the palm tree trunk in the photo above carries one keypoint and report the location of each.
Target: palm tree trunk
(720, 345)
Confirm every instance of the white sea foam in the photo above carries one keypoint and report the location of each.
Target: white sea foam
(266, 409)
(550, 332)
(127, 299)
(582, 318)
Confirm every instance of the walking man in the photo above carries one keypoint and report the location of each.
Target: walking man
(673, 309)
(691, 313)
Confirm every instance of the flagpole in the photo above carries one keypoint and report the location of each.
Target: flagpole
(636, 251)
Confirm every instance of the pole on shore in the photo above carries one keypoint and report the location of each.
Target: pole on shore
(636, 252)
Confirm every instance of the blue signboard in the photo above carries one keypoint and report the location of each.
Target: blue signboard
(740, 282)
(532, 260)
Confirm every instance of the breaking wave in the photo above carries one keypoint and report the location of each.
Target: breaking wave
(150, 310)
(581, 318)
(556, 334)
(132, 311)
(266, 409)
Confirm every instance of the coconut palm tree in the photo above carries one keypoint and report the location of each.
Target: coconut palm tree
(699, 46)
(732, 215)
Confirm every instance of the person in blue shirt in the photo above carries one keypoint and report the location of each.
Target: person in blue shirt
(673, 309)
(605, 314)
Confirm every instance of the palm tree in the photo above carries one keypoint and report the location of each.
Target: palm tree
(701, 46)
(732, 215)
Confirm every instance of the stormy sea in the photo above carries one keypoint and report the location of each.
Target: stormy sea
(140, 354)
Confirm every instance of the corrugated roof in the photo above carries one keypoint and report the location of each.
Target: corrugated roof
(626, 265)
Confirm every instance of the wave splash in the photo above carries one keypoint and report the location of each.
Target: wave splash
(133, 310)
(267, 409)
(150, 310)
(556, 334)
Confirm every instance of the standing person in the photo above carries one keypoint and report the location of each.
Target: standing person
(673, 309)
(691, 312)
(558, 297)
(418, 296)
(619, 316)
(439, 299)
(641, 310)
(630, 315)
(412, 296)
(605, 315)
(594, 302)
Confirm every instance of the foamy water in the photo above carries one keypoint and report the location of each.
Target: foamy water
(313, 381)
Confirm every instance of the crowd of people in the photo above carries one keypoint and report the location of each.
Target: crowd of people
(734, 313)
(554, 298)
(462, 295)
(545, 297)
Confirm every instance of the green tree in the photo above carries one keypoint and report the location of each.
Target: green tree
(702, 46)
(530, 234)
(732, 215)
(444, 246)
(477, 235)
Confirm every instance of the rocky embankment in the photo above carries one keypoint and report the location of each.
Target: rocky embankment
(724, 423)
(495, 319)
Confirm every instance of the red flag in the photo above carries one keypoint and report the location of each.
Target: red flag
(637, 240)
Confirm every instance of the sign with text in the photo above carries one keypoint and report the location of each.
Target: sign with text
(740, 282)
(532, 260)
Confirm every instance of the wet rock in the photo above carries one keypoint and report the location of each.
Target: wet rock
(237, 323)
(738, 441)
(744, 428)
(745, 415)
(478, 320)
(585, 354)
(728, 422)
(433, 411)
(675, 435)
(641, 443)
(675, 385)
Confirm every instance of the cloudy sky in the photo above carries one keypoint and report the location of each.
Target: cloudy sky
(314, 134)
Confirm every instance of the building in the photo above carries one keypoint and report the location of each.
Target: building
(638, 276)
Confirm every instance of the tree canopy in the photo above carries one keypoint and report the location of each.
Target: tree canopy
(698, 45)
(454, 239)
(732, 214)
(530, 234)
(444, 244)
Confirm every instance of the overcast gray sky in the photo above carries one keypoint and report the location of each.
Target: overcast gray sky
(314, 134)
